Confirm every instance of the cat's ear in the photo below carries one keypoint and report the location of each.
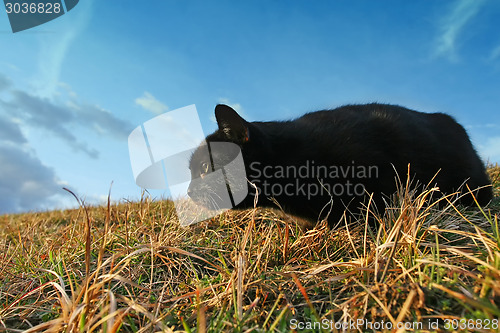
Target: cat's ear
(231, 124)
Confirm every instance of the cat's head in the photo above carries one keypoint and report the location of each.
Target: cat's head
(215, 178)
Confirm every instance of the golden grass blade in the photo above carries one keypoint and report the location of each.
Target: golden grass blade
(45, 327)
(404, 310)
(379, 302)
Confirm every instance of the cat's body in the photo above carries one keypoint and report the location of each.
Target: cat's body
(345, 154)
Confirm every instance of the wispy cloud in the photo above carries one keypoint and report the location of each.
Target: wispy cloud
(495, 53)
(4, 82)
(148, 102)
(25, 182)
(60, 118)
(453, 25)
(490, 151)
(10, 131)
(54, 48)
(41, 113)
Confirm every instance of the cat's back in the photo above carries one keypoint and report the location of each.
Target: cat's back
(362, 113)
(360, 122)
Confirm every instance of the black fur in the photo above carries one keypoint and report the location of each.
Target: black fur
(385, 138)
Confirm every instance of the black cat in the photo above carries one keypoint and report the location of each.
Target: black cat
(327, 162)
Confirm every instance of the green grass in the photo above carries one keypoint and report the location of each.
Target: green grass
(131, 267)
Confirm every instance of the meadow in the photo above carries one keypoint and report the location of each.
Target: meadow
(130, 267)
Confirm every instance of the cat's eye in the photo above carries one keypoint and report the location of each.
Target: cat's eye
(205, 168)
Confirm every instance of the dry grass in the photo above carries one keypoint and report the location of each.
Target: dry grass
(132, 268)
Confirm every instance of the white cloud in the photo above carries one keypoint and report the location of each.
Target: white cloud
(5, 82)
(25, 182)
(10, 131)
(495, 53)
(491, 150)
(54, 48)
(60, 118)
(452, 26)
(148, 102)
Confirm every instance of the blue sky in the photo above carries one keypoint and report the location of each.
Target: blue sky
(72, 90)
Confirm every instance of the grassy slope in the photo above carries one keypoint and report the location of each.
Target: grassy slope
(131, 267)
